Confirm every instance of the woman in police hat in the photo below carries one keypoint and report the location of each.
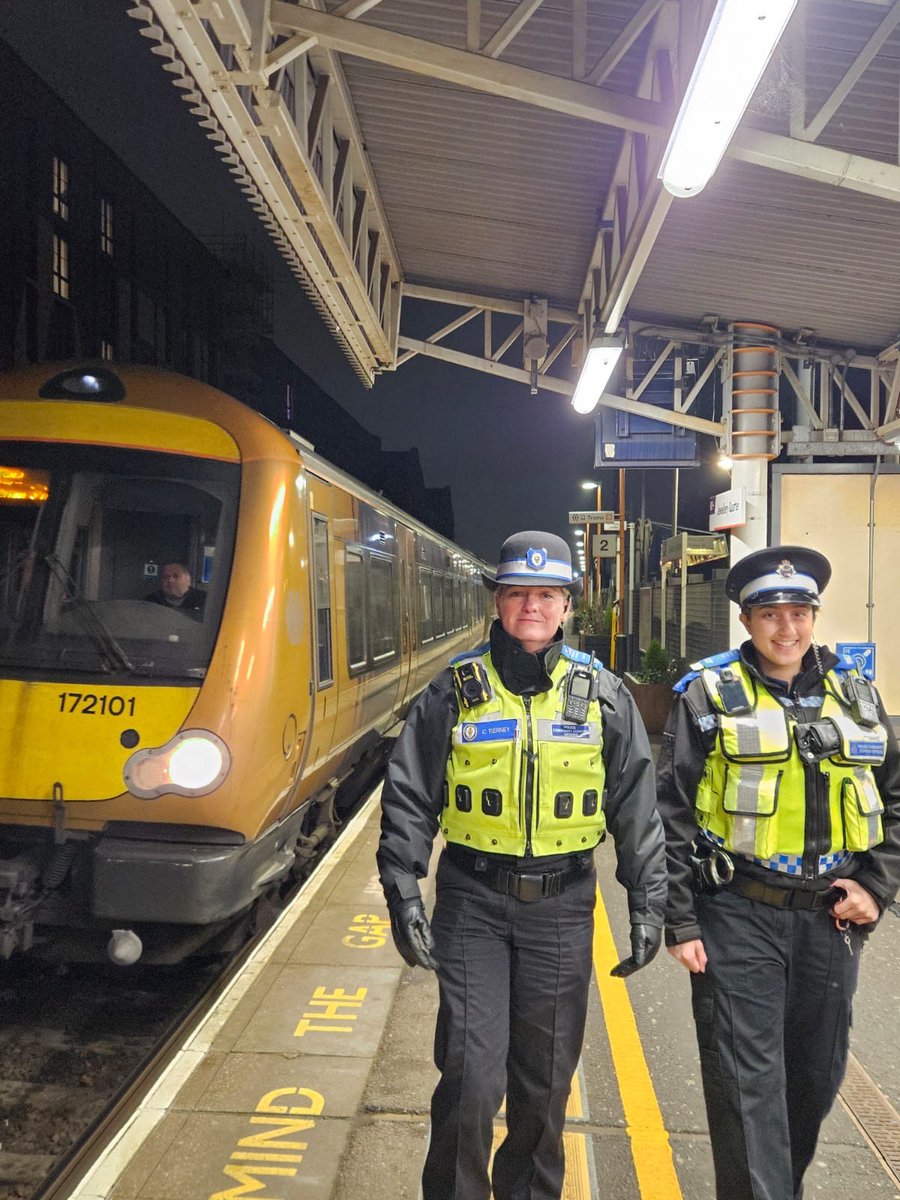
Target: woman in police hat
(779, 787)
(507, 753)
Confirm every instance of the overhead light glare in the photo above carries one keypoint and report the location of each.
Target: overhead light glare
(599, 364)
(738, 45)
(724, 461)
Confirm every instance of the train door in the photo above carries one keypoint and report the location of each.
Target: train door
(324, 685)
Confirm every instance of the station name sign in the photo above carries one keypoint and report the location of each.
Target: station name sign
(590, 518)
(728, 509)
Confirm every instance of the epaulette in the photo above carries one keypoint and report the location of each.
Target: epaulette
(478, 652)
(846, 663)
(579, 656)
(722, 659)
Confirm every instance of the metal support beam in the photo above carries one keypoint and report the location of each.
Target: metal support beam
(563, 387)
(518, 18)
(421, 57)
(625, 40)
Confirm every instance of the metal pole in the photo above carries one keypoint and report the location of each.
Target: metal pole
(675, 502)
(623, 624)
(596, 566)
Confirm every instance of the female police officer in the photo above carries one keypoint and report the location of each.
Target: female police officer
(778, 764)
(508, 753)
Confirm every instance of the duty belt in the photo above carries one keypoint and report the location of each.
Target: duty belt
(522, 885)
(779, 897)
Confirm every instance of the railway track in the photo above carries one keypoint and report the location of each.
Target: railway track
(81, 1045)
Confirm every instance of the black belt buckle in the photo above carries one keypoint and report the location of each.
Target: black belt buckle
(532, 887)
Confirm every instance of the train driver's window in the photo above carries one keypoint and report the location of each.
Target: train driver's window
(324, 667)
(437, 603)
(355, 591)
(382, 608)
(426, 622)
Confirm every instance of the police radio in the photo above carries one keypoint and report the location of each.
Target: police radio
(579, 685)
(733, 694)
(472, 683)
(861, 697)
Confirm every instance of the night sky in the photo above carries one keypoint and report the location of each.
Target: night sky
(512, 460)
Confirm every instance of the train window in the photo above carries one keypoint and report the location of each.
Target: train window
(324, 669)
(426, 622)
(449, 623)
(457, 604)
(85, 535)
(437, 604)
(356, 609)
(382, 608)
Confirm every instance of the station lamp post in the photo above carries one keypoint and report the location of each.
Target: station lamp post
(594, 564)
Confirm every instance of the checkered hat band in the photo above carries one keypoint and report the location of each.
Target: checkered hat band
(778, 583)
(517, 569)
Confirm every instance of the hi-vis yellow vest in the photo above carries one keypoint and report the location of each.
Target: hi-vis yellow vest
(521, 780)
(753, 791)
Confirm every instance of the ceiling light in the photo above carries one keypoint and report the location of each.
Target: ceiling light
(602, 356)
(738, 44)
(724, 461)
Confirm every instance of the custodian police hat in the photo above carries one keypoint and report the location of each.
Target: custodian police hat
(532, 559)
(779, 575)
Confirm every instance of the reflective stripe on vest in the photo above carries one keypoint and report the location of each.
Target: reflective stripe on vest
(753, 793)
(487, 773)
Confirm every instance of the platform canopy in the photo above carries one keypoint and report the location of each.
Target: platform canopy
(500, 156)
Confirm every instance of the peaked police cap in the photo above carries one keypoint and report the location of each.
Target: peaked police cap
(779, 575)
(534, 558)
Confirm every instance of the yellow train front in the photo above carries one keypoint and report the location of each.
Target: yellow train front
(167, 761)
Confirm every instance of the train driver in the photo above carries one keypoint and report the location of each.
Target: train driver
(507, 753)
(176, 591)
(779, 786)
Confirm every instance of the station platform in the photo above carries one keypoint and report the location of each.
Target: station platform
(311, 1079)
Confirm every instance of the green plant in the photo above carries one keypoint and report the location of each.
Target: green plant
(586, 619)
(656, 667)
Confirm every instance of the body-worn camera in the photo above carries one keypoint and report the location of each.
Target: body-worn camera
(817, 740)
(733, 694)
(712, 871)
(472, 683)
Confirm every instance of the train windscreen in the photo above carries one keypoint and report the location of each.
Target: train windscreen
(113, 561)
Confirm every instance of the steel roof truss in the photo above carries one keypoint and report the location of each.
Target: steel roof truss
(299, 183)
(811, 131)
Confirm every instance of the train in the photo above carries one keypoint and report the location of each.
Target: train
(168, 767)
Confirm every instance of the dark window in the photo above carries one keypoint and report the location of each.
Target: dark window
(106, 226)
(356, 609)
(60, 266)
(448, 603)
(382, 608)
(60, 189)
(426, 623)
(437, 604)
(323, 601)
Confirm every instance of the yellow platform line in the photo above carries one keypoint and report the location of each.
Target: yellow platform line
(576, 1185)
(650, 1147)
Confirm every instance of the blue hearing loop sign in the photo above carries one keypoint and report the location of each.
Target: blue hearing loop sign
(861, 654)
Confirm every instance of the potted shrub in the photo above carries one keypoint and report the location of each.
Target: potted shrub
(652, 686)
(593, 624)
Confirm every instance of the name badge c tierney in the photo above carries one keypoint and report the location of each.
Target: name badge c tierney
(490, 731)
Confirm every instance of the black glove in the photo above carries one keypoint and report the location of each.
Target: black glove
(412, 933)
(645, 942)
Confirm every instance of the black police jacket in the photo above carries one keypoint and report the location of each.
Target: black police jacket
(690, 736)
(413, 789)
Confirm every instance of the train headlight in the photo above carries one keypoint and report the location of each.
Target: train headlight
(193, 763)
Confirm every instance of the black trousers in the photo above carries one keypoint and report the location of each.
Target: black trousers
(773, 1017)
(514, 979)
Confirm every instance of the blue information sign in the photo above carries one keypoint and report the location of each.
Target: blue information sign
(860, 654)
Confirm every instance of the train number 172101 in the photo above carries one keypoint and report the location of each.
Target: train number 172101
(88, 704)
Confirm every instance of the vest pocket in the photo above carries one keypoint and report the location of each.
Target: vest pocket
(750, 802)
(569, 784)
(861, 809)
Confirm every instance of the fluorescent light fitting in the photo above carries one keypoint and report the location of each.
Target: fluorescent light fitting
(738, 45)
(602, 356)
